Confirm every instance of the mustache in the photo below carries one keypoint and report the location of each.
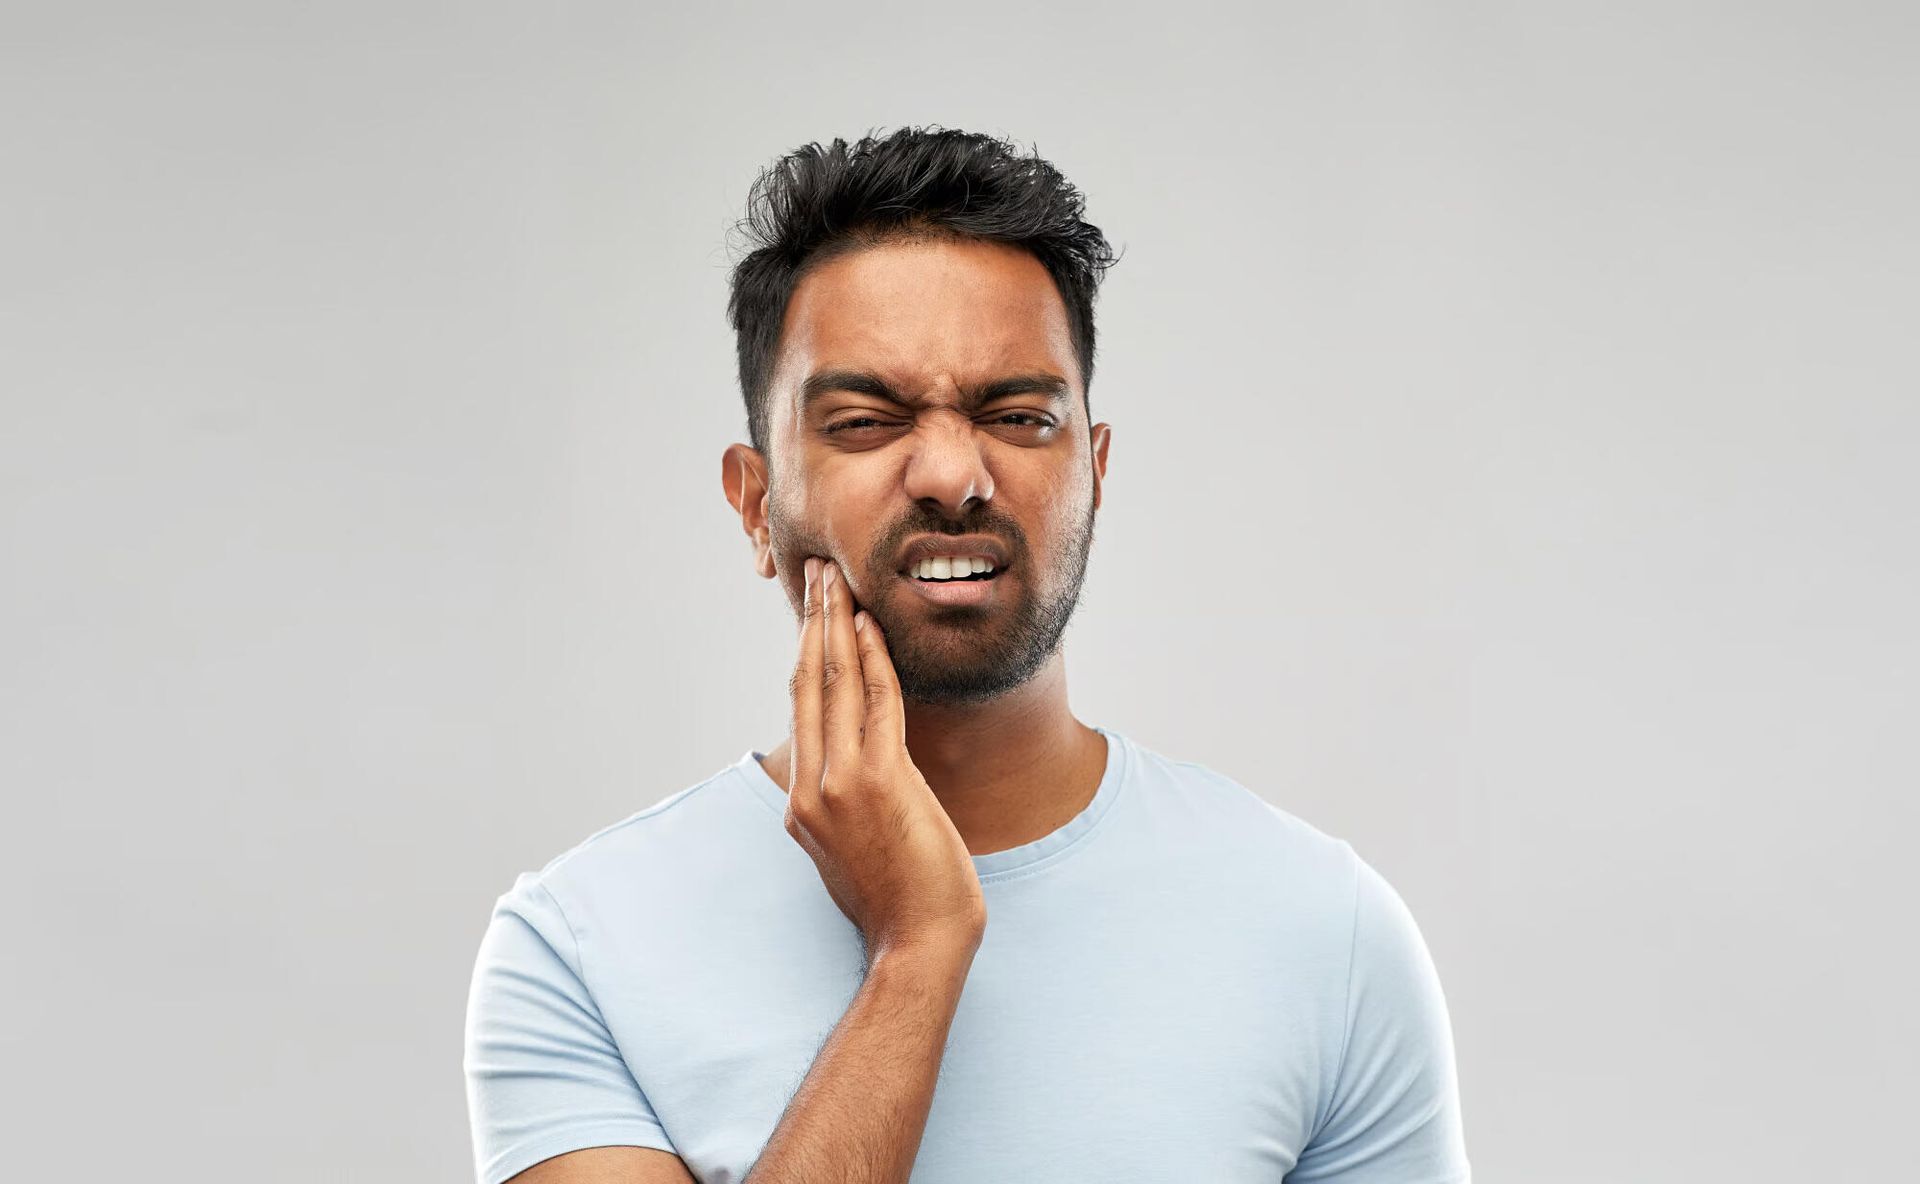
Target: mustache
(894, 539)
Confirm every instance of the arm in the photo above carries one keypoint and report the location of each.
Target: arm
(859, 1114)
(892, 861)
(609, 1165)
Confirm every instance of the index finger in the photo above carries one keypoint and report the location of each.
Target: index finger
(841, 712)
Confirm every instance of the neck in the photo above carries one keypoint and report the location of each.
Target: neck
(1008, 771)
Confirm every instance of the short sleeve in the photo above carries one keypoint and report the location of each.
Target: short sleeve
(1394, 1113)
(543, 1074)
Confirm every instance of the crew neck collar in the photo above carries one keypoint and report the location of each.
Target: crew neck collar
(997, 865)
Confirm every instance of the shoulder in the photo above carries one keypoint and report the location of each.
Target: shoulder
(1180, 789)
(659, 847)
(1211, 826)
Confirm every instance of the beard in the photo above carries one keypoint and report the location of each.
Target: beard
(957, 655)
(953, 655)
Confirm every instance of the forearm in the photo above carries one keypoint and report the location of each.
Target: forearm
(859, 1115)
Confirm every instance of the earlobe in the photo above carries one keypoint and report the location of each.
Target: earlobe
(763, 550)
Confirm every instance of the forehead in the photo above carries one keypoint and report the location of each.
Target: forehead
(918, 312)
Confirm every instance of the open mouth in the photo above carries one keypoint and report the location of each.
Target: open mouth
(975, 577)
(953, 589)
(945, 572)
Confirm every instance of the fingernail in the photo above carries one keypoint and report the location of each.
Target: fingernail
(860, 620)
(813, 569)
(826, 577)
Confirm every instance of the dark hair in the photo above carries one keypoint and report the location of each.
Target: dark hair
(818, 201)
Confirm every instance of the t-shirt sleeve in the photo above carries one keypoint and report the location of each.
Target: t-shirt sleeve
(1393, 1116)
(543, 1074)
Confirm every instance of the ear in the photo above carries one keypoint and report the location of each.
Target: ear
(743, 474)
(1101, 433)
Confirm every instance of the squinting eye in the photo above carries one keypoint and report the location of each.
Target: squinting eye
(860, 420)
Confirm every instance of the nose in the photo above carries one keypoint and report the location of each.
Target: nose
(946, 466)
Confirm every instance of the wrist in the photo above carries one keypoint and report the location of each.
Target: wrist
(934, 961)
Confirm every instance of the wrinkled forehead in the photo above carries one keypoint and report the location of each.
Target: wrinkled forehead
(925, 315)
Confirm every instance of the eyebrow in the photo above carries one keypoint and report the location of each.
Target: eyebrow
(860, 382)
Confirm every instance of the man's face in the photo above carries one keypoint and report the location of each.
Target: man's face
(878, 438)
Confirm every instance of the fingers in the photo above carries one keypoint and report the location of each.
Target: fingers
(843, 707)
(804, 687)
(886, 719)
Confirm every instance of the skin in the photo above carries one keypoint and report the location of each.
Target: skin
(983, 690)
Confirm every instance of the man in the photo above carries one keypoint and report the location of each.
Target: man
(944, 928)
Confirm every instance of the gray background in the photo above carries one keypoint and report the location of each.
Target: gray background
(1514, 409)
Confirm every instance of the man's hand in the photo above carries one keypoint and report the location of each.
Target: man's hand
(889, 855)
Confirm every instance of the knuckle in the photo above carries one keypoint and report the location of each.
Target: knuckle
(800, 816)
(831, 791)
(833, 672)
(839, 784)
(802, 676)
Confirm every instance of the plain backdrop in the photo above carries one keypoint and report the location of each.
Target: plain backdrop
(1512, 473)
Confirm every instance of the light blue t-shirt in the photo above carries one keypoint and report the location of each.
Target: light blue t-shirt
(1183, 983)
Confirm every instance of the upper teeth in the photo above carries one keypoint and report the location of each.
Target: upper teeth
(949, 567)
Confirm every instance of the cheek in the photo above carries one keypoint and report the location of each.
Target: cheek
(793, 536)
(834, 526)
(1063, 517)
(1065, 494)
